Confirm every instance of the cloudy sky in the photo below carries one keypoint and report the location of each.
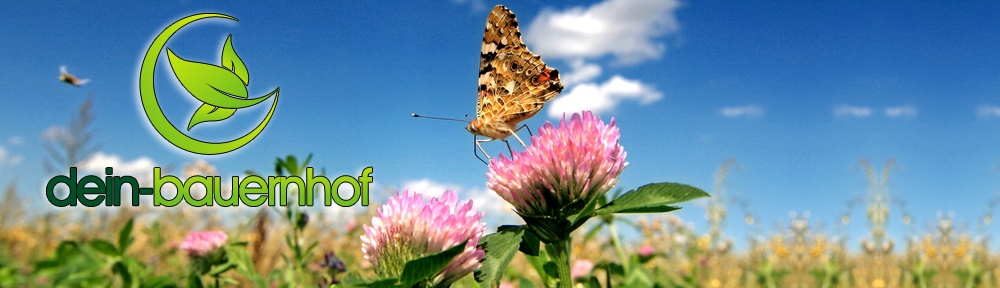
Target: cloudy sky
(796, 92)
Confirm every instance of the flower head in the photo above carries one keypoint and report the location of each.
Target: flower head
(199, 244)
(408, 228)
(581, 268)
(646, 251)
(579, 160)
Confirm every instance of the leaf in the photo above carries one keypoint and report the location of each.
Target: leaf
(499, 248)
(383, 283)
(208, 113)
(104, 247)
(422, 268)
(158, 282)
(292, 166)
(611, 267)
(233, 63)
(237, 255)
(530, 244)
(120, 269)
(652, 198)
(212, 84)
(193, 281)
(587, 212)
(594, 283)
(525, 283)
(125, 236)
(221, 268)
(551, 269)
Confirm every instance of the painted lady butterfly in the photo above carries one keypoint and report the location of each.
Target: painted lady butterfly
(514, 83)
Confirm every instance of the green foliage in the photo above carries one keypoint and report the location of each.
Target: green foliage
(500, 248)
(416, 273)
(78, 265)
(652, 198)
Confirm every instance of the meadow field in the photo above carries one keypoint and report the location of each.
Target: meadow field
(286, 248)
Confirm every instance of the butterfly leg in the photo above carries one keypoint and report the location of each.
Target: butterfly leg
(511, 150)
(478, 141)
(524, 126)
(518, 139)
(474, 152)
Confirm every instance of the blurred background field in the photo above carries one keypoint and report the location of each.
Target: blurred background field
(55, 247)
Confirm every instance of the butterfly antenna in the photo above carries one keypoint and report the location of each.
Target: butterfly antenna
(438, 118)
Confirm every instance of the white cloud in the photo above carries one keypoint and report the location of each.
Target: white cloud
(627, 29)
(907, 111)
(141, 168)
(483, 199)
(603, 97)
(15, 141)
(852, 111)
(580, 72)
(988, 111)
(8, 160)
(477, 5)
(749, 111)
(630, 31)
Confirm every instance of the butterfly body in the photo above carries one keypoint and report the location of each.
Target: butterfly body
(514, 83)
(64, 76)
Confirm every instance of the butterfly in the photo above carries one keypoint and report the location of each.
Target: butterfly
(69, 78)
(514, 83)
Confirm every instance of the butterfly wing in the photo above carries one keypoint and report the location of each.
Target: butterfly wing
(514, 83)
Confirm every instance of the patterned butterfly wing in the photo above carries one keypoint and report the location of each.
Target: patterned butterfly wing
(514, 83)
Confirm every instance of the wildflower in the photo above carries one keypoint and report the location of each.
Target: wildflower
(581, 268)
(199, 244)
(577, 161)
(332, 266)
(408, 228)
(646, 251)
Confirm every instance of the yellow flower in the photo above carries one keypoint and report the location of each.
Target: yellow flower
(878, 283)
(962, 247)
(715, 283)
(818, 248)
(703, 243)
(929, 247)
(778, 246)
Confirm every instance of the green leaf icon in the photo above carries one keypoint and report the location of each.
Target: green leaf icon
(222, 88)
(233, 62)
(207, 113)
(211, 84)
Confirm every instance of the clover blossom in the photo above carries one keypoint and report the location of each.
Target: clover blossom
(199, 244)
(408, 228)
(578, 160)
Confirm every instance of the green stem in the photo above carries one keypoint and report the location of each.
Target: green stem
(618, 246)
(561, 257)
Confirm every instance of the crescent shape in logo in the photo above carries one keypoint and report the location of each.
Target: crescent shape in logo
(152, 107)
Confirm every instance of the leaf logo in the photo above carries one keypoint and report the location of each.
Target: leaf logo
(223, 89)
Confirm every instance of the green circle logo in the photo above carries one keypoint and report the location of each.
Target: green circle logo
(221, 88)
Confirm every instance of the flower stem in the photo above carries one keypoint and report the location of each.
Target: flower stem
(561, 257)
(616, 241)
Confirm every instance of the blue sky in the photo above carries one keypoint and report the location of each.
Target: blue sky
(796, 92)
